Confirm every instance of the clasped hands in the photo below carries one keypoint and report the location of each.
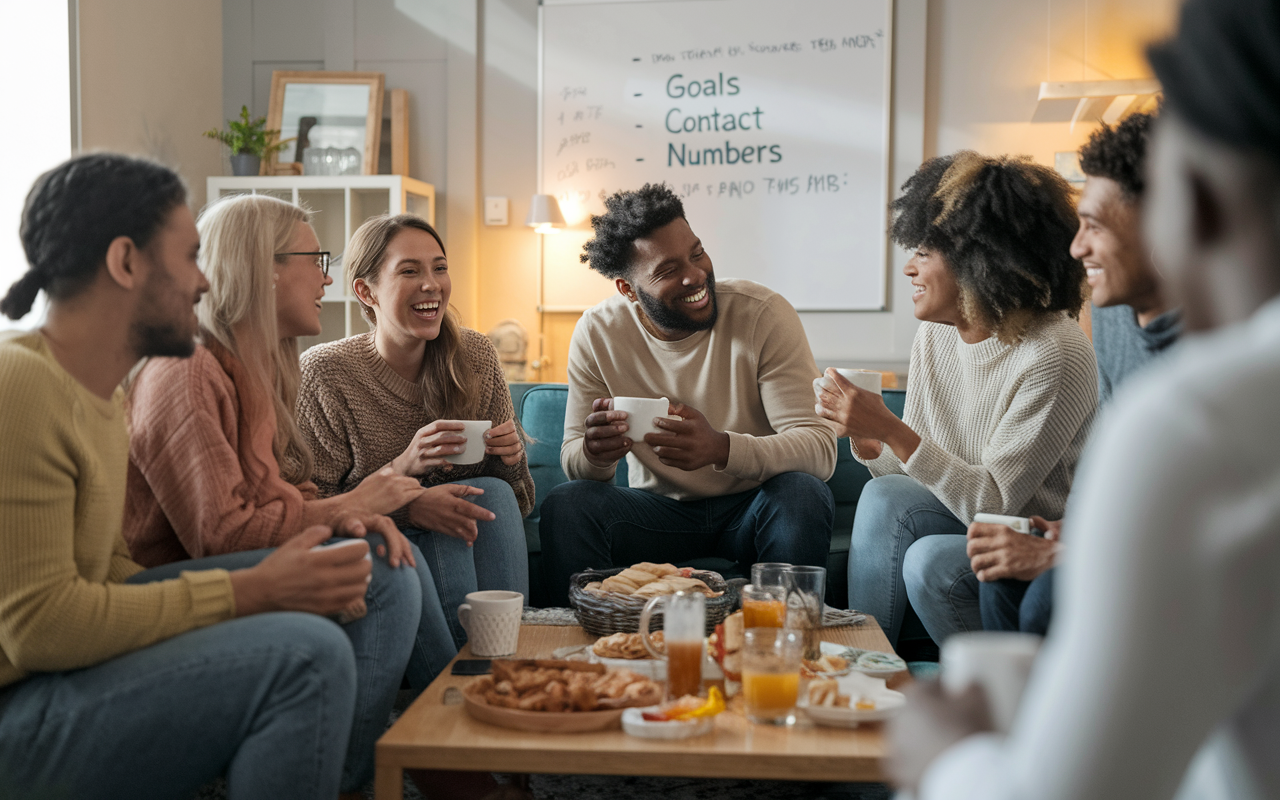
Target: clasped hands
(687, 443)
(998, 551)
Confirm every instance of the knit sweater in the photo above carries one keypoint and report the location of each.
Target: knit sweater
(63, 454)
(203, 479)
(358, 415)
(1124, 347)
(1001, 426)
(751, 375)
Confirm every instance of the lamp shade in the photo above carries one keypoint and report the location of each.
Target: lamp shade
(544, 213)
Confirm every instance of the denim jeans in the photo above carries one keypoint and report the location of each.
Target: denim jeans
(498, 559)
(381, 640)
(589, 524)
(1010, 605)
(941, 585)
(894, 512)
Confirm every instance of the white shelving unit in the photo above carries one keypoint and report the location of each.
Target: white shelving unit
(340, 204)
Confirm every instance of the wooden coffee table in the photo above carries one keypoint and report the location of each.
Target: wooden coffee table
(431, 735)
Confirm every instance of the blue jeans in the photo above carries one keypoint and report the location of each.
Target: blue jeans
(588, 524)
(894, 512)
(381, 641)
(1010, 605)
(498, 559)
(941, 586)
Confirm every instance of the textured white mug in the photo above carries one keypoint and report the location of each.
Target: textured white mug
(473, 430)
(492, 622)
(1000, 662)
(640, 414)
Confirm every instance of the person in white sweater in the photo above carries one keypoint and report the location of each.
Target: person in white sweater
(1160, 676)
(1002, 386)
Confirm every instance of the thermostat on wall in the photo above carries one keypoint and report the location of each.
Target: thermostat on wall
(495, 211)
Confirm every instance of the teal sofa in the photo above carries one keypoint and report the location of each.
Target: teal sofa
(540, 408)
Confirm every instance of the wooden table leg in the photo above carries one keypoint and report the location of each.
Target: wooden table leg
(388, 783)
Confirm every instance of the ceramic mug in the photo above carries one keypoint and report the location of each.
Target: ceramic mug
(640, 414)
(473, 430)
(492, 622)
(1000, 662)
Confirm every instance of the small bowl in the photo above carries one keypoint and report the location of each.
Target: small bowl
(634, 723)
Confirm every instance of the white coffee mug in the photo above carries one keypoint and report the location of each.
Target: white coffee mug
(867, 379)
(492, 622)
(473, 430)
(1000, 662)
(640, 414)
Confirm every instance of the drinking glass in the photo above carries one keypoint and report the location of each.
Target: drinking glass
(771, 674)
(769, 573)
(764, 606)
(684, 629)
(805, 595)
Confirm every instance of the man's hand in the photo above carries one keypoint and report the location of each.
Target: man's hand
(429, 446)
(690, 442)
(358, 524)
(382, 492)
(504, 441)
(446, 510)
(295, 579)
(932, 722)
(603, 443)
(998, 551)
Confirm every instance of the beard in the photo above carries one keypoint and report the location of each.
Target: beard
(671, 317)
(155, 331)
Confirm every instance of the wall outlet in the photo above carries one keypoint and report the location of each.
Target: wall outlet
(495, 210)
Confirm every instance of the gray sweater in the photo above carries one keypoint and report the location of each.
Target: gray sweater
(1124, 347)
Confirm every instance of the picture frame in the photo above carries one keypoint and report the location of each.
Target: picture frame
(328, 109)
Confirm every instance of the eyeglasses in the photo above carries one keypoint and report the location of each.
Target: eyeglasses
(322, 259)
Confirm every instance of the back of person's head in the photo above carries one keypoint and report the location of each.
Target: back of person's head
(73, 213)
(1004, 226)
(1119, 153)
(239, 238)
(450, 388)
(628, 216)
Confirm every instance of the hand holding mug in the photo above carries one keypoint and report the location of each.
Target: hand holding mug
(504, 441)
(604, 442)
(690, 442)
(429, 446)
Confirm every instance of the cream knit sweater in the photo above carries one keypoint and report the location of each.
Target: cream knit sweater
(1001, 427)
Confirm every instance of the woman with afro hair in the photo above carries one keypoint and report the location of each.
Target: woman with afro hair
(1002, 386)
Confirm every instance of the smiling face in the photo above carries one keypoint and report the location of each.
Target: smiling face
(300, 286)
(672, 278)
(935, 293)
(165, 321)
(1109, 242)
(411, 294)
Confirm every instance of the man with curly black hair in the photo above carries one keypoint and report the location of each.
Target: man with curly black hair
(737, 468)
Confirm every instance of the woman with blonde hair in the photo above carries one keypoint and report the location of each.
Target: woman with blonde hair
(218, 466)
(395, 397)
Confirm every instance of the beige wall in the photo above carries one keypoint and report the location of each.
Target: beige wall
(151, 82)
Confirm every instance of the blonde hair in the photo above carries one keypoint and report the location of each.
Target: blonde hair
(449, 386)
(239, 237)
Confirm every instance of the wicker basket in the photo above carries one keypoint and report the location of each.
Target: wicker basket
(602, 615)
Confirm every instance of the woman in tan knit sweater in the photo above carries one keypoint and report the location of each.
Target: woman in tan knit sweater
(1001, 393)
(395, 397)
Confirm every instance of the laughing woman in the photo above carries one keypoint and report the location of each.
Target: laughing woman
(1001, 391)
(395, 397)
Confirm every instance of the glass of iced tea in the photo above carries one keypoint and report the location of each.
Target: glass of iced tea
(764, 606)
(771, 674)
(684, 617)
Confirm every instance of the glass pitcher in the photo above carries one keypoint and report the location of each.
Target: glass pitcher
(684, 627)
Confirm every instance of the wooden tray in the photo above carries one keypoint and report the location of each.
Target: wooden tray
(539, 721)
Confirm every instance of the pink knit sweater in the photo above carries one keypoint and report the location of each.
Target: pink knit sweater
(203, 479)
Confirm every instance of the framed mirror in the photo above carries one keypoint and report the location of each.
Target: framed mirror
(328, 109)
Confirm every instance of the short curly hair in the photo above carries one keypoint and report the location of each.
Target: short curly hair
(628, 216)
(1120, 153)
(1004, 225)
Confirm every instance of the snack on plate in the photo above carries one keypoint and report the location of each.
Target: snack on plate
(826, 692)
(725, 646)
(688, 707)
(651, 580)
(556, 685)
(627, 645)
(828, 664)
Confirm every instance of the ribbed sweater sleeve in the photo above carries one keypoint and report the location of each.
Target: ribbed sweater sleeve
(326, 423)
(499, 409)
(586, 383)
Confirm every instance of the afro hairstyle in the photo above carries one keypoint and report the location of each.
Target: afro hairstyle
(1119, 153)
(628, 216)
(1004, 226)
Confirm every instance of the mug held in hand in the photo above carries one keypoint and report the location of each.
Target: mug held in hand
(640, 414)
(473, 452)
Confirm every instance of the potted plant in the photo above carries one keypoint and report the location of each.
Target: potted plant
(249, 141)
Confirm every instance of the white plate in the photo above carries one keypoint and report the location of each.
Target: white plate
(888, 703)
(844, 651)
(634, 723)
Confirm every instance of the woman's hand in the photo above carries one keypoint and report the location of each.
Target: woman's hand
(504, 441)
(862, 415)
(867, 449)
(380, 493)
(429, 446)
(357, 524)
(446, 510)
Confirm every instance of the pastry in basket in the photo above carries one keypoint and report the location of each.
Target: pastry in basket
(555, 685)
(725, 646)
(627, 645)
(651, 580)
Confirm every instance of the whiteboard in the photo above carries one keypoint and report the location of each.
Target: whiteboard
(770, 118)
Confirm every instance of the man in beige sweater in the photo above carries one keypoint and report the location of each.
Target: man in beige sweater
(739, 474)
(114, 682)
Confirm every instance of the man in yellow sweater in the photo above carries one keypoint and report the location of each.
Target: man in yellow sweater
(109, 689)
(740, 474)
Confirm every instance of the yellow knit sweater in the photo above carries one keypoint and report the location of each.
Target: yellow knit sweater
(63, 459)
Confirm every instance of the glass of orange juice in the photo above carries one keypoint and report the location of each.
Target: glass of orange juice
(771, 674)
(764, 606)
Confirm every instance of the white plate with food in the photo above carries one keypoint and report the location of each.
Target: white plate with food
(634, 723)
(875, 663)
(850, 700)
